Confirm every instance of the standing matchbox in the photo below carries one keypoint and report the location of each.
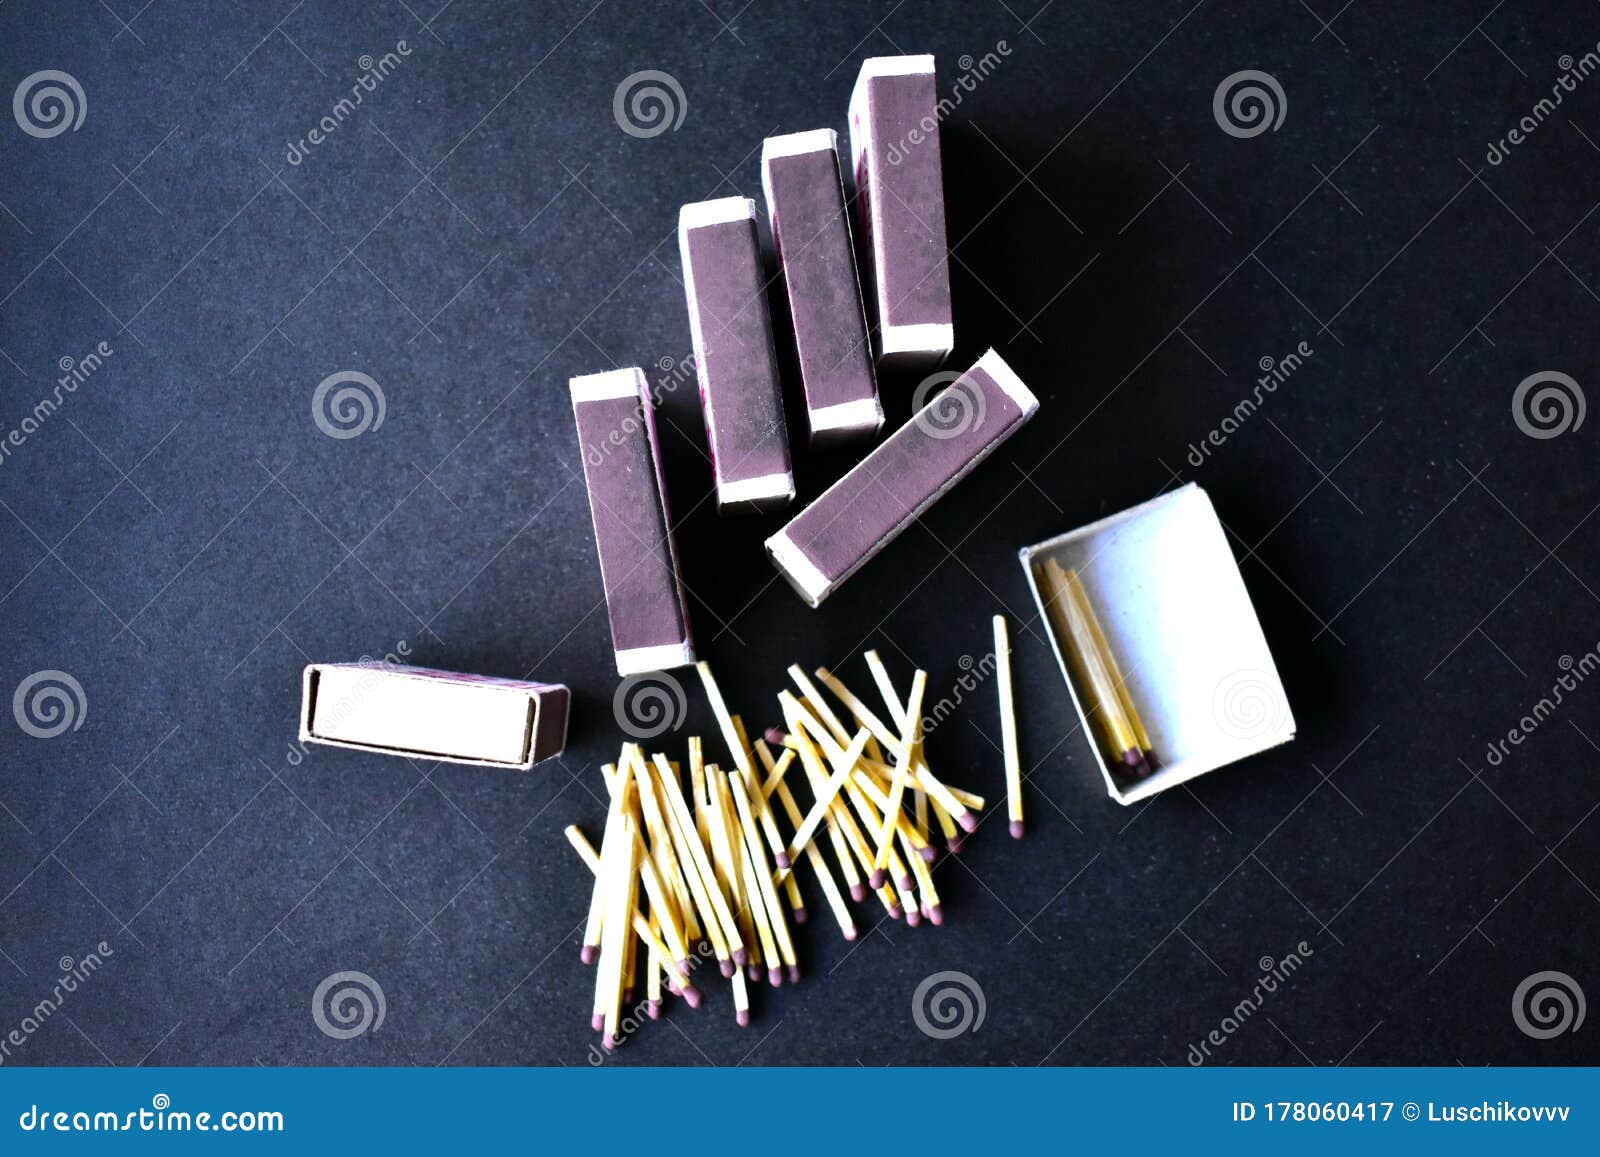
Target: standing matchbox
(894, 146)
(645, 599)
(1174, 612)
(427, 714)
(740, 392)
(905, 474)
(811, 236)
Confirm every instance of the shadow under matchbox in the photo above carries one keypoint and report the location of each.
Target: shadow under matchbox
(861, 513)
(740, 392)
(427, 714)
(645, 599)
(894, 147)
(811, 235)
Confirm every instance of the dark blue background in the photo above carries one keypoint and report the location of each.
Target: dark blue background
(182, 539)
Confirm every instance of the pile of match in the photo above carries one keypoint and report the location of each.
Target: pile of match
(703, 864)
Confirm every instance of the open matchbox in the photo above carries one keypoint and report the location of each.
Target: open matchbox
(427, 714)
(1175, 612)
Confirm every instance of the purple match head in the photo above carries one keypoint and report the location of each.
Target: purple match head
(782, 859)
(857, 892)
(740, 956)
(878, 878)
(598, 1021)
(955, 844)
(913, 917)
(801, 915)
(753, 971)
(726, 967)
(776, 736)
(1016, 829)
(652, 1009)
(692, 996)
(793, 973)
(968, 822)
(672, 987)
(611, 1041)
(587, 953)
(929, 853)
(923, 908)
(742, 1017)
(850, 933)
(906, 884)
(896, 912)
(936, 914)
(775, 977)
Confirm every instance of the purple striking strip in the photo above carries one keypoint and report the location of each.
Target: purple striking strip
(811, 233)
(860, 514)
(632, 528)
(739, 387)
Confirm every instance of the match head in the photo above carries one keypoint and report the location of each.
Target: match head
(850, 933)
(801, 916)
(1016, 829)
(726, 967)
(907, 884)
(793, 973)
(776, 736)
(598, 1021)
(611, 1042)
(913, 917)
(857, 892)
(775, 977)
(587, 953)
(968, 822)
(652, 1009)
(936, 914)
(742, 1018)
(691, 996)
(878, 878)
(741, 956)
(896, 912)
(753, 971)
(782, 859)
(929, 853)
(672, 987)
(956, 843)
